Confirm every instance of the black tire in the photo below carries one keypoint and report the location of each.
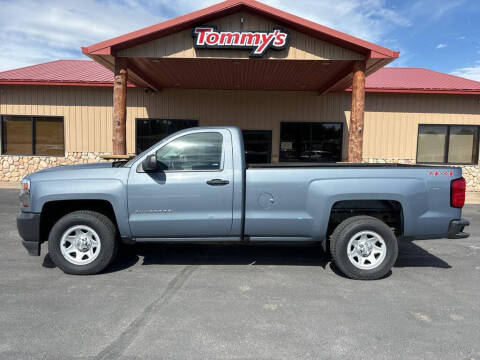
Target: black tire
(346, 230)
(102, 225)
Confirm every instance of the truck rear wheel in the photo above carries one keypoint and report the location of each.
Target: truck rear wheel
(83, 242)
(364, 248)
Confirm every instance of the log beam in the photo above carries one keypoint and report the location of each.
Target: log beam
(355, 131)
(119, 138)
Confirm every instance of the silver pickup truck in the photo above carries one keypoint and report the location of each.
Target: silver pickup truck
(194, 186)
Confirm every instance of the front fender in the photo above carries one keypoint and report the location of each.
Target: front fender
(111, 190)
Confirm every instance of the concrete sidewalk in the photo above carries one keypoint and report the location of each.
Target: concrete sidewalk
(473, 198)
(9, 185)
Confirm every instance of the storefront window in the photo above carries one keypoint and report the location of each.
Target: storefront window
(258, 146)
(462, 146)
(32, 135)
(311, 142)
(452, 144)
(151, 131)
(49, 137)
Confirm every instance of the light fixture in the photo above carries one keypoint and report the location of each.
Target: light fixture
(156, 60)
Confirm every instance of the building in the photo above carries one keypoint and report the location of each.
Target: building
(298, 90)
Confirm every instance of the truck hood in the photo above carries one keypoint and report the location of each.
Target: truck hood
(105, 165)
(105, 170)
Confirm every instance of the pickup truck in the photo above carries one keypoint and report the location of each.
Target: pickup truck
(194, 186)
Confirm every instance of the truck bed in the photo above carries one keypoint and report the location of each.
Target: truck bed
(334, 165)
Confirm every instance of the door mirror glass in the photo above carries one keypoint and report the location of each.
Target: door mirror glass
(150, 163)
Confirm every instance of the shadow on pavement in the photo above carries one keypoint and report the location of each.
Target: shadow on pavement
(410, 255)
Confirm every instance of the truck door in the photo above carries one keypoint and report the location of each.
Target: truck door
(192, 195)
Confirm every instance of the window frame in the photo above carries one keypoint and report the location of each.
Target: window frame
(342, 129)
(33, 119)
(447, 145)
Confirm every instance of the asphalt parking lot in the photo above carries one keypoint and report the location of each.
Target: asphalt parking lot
(233, 302)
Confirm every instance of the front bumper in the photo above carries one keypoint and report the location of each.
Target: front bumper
(455, 230)
(28, 225)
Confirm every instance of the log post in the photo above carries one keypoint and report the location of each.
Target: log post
(120, 107)
(355, 132)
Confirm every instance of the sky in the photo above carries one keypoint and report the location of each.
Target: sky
(441, 35)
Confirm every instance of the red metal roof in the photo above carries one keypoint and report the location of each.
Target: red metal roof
(419, 80)
(60, 72)
(231, 6)
(90, 73)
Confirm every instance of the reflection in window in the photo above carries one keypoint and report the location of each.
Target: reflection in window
(311, 142)
(258, 146)
(33, 135)
(200, 151)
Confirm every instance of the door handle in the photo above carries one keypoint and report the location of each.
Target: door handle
(218, 182)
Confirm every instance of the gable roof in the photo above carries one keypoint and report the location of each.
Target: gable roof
(108, 47)
(90, 73)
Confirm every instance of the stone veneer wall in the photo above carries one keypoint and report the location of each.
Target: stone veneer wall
(471, 173)
(14, 168)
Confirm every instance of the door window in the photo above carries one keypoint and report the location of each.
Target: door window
(193, 152)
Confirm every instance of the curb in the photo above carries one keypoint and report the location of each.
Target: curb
(10, 185)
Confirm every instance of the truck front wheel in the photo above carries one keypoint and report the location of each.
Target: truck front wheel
(83, 242)
(364, 248)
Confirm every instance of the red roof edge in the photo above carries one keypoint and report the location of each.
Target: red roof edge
(229, 6)
(60, 83)
(421, 91)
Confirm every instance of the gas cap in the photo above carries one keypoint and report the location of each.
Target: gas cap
(266, 200)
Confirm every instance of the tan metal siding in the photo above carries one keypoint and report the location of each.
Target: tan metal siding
(87, 112)
(259, 110)
(391, 120)
(301, 46)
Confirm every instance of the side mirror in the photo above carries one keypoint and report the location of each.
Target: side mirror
(150, 163)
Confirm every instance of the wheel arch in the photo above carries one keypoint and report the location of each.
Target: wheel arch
(53, 210)
(390, 211)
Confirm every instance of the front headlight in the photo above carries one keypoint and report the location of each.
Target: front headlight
(25, 193)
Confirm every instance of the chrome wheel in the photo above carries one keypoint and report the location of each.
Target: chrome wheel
(80, 245)
(366, 250)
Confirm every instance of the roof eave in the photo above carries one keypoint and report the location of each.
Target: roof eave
(59, 83)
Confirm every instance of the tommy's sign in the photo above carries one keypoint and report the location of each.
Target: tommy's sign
(258, 41)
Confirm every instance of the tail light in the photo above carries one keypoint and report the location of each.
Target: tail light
(457, 193)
